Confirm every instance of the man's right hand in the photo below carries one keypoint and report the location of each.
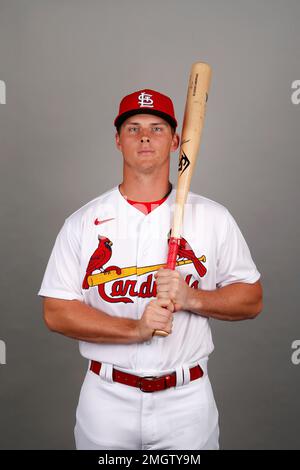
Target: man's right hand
(158, 315)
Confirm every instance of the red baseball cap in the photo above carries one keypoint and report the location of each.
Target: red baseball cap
(146, 102)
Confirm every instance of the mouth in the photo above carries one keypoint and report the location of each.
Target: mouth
(145, 152)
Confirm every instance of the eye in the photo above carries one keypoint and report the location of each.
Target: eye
(157, 129)
(133, 129)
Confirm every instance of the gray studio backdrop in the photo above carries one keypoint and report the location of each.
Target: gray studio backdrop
(66, 64)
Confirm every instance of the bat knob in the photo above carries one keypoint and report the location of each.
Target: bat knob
(160, 333)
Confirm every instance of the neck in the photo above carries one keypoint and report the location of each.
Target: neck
(145, 189)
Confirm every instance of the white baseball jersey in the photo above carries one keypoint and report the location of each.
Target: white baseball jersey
(106, 255)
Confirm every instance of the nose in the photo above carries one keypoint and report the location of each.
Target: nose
(145, 139)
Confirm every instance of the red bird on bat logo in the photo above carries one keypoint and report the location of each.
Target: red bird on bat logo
(101, 255)
(116, 289)
(186, 251)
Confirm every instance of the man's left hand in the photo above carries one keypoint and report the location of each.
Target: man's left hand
(171, 285)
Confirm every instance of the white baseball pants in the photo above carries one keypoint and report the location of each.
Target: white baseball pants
(113, 416)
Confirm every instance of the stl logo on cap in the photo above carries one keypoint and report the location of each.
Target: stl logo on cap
(145, 100)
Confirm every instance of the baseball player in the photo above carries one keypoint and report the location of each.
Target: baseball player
(105, 285)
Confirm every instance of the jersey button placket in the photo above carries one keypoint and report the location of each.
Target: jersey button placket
(142, 247)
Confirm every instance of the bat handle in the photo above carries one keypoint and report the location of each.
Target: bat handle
(173, 252)
(171, 263)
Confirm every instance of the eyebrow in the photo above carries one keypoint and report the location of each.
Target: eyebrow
(151, 124)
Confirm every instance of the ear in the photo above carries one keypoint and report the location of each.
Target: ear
(118, 144)
(175, 142)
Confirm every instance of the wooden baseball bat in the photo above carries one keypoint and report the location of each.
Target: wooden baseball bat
(193, 120)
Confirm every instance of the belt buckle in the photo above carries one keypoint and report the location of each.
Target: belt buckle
(148, 377)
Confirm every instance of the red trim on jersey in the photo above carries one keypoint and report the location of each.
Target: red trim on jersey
(146, 207)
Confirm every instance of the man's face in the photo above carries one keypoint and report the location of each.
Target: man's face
(146, 141)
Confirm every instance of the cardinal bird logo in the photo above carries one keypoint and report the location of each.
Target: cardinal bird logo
(120, 284)
(186, 251)
(101, 255)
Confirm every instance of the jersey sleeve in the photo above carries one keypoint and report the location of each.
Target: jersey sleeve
(62, 276)
(235, 263)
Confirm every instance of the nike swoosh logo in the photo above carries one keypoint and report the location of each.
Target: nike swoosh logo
(98, 222)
